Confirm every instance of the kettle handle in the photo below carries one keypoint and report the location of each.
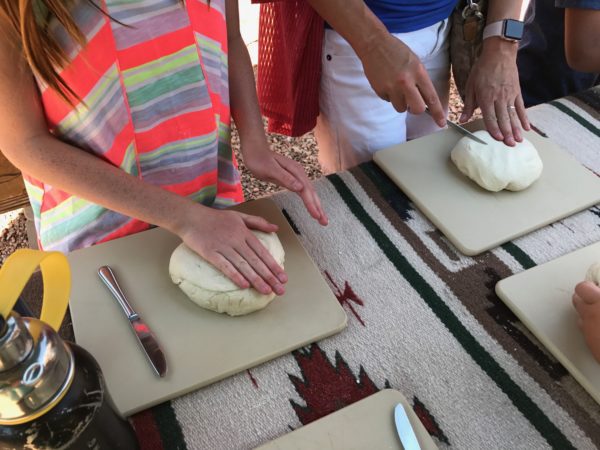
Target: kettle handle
(56, 274)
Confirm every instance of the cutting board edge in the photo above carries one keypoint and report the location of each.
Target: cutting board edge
(341, 327)
(336, 314)
(425, 439)
(469, 251)
(465, 248)
(559, 355)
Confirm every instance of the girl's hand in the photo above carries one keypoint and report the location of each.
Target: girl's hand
(586, 301)
(270, 166)
(224, 239)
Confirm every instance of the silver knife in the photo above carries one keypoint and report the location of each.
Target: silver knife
(144, 336)
(405, 431)
(460, 129)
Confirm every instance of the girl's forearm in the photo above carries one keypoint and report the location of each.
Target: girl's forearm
(87, 176)
(242, 87)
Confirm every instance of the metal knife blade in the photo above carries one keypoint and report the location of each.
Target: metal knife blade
(465, 132)
(461, 129)
(405, 431)
(144, 335)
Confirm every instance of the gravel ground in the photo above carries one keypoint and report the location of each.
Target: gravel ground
(303, 150)
(14, 233)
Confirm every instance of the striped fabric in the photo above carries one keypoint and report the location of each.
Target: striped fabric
(155, 103)
(422, 319)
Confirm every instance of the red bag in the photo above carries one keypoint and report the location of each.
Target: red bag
(289, 65)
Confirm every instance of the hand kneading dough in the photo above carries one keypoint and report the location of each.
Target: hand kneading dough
(209, 288)
(593, 274)
(497, 166)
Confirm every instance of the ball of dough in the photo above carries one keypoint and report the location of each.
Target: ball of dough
(497, 166)
(593, 274)
(209, 288)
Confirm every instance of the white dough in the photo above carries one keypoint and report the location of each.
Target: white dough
(497, 166)
(209, 288)
(593, 274)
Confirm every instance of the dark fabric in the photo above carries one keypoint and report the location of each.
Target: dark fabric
(30, 305)
(543, 69)
(584, 4)
(22, 309)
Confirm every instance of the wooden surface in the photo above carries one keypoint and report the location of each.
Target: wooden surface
(200, 346)
(12, 189)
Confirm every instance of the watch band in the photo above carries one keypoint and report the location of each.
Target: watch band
(494, 29)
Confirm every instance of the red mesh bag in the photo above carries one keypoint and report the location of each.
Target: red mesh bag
(289, 65)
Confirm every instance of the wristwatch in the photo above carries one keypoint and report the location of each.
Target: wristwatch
(507, 29)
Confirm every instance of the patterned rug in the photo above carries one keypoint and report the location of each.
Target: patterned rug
(423, 319)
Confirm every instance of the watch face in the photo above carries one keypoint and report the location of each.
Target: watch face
(513, 29)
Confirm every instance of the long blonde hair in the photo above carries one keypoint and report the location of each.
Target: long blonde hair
(29, 20)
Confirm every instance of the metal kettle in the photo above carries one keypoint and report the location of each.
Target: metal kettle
(36, 369)
(52, 392)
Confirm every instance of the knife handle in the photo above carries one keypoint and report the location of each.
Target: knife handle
(110, 280)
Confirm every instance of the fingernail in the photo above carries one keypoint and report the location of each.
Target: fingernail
(279, 290)
(266, 289)
(282, 278)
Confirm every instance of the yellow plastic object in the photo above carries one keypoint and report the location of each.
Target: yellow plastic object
(56, 274)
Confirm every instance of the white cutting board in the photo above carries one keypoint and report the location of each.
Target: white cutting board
(541, 298)
(367, 424)
(474, 219)
(200, 346)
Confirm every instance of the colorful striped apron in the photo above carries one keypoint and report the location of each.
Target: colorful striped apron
(154, 84)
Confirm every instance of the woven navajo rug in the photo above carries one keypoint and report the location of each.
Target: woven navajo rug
(423, 319)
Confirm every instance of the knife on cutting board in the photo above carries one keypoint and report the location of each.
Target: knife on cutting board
(460, 129)
(405, 431)
(143, 334)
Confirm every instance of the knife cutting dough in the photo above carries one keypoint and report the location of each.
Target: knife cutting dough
(496, 166)
(209, 288)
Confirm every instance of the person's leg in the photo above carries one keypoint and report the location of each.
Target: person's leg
(354, 122)
(435, 56)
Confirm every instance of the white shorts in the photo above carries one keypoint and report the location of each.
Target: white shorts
(354, 122)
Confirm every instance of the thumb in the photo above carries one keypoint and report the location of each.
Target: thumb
(285, 178)
(588, 292)
(259, 223)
